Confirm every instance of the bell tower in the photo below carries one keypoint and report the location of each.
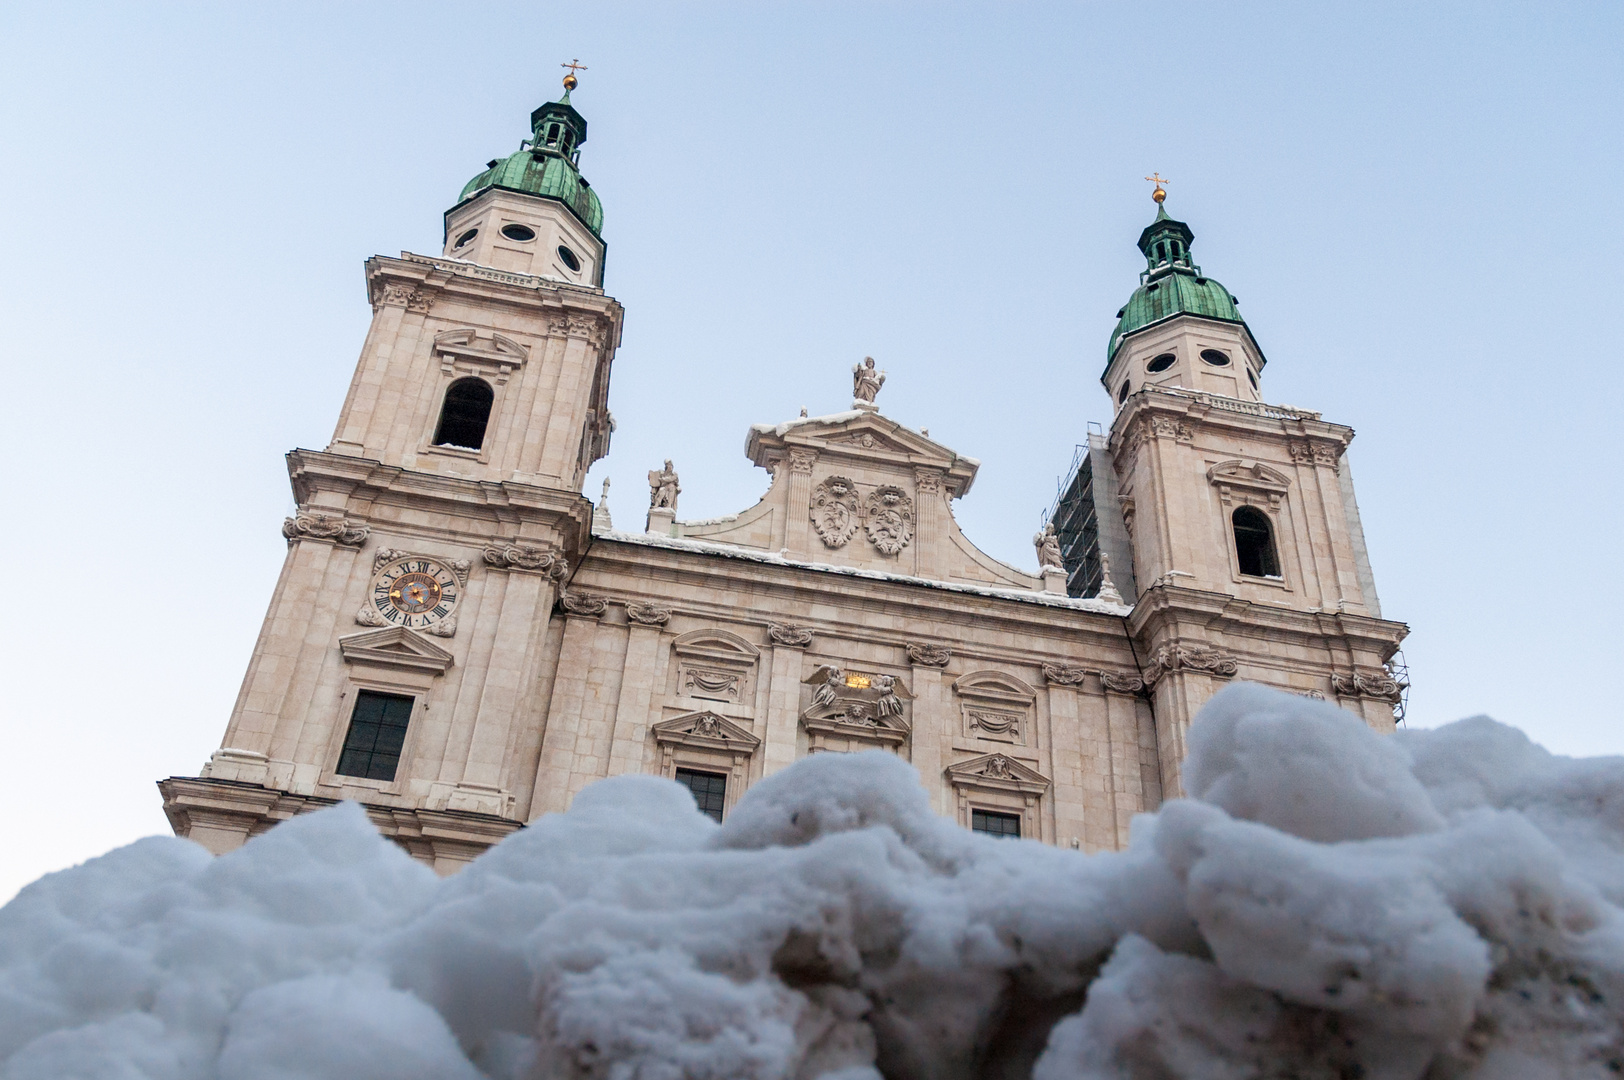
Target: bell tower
(398, 661)
(1244, 534)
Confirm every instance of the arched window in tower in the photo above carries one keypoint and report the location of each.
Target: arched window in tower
(466, 412)
(1254, 543)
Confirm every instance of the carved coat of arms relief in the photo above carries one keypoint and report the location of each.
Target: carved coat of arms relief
(888, 516)
(835, 511)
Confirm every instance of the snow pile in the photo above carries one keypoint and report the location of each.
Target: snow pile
(1329, 904)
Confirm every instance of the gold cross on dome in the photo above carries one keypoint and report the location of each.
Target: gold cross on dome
(1160, 193)
(574, 66)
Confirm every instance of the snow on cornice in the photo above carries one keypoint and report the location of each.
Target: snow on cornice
(733, 551)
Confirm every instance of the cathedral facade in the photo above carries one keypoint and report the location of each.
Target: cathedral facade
(461, 641)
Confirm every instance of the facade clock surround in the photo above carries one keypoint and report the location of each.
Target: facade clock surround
(415, 592)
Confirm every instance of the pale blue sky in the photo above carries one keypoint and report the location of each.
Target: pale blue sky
(1418, 206)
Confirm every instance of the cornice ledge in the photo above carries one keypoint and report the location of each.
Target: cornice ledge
(1163, 602)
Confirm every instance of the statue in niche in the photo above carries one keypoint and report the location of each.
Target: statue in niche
(663, 488)
(866, 381)
(1048, 545)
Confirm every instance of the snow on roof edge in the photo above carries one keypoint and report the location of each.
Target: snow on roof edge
(733, 551)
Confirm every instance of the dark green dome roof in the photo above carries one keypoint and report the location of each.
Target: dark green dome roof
(546, 165)
(1173, 285)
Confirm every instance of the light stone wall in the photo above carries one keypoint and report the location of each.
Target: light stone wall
(741, 645)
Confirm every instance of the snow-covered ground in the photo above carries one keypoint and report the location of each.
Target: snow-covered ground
(1329, 904)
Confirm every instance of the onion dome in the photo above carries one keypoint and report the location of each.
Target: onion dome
(547, 165)
(1171, 285)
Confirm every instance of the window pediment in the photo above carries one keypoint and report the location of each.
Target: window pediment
(705, 730)
(1250, 474)
(995, 705)
(396, 647)
(716, 647)
(997, 772)
(465, 351)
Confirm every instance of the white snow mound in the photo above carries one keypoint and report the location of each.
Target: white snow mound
(1329, 904)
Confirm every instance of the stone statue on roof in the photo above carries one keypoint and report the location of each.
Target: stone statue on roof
(1048, 546)
(866, 381)
(663, 488)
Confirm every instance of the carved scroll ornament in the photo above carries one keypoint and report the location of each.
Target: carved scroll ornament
(1357, 685)
(930, 655)
(1189, 658)
(308, 526)
(888, 516)
(834, 511)
(647, 614)
(795, 636)
(584, 603)
(1064, 674)
(524, 557)
(1122, 682)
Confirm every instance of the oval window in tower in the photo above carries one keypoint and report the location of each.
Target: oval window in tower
(1161, 363)
(1215, 358)
(520, 233)
(466, 238)
(1122, 395)
(567, 257)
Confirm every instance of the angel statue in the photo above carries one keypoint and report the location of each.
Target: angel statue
(866, 381)
(662, 488)
(1048, 545)
(834, 681)
(888, 704)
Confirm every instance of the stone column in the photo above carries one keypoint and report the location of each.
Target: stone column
(798, 501)
(782, 735)
(633, 711)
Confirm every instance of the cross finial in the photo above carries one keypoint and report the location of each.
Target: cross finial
(570, 81)
(1160, 193)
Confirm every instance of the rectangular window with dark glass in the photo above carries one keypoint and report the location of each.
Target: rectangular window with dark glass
(710, 789)
(996, 824)
(377, 732)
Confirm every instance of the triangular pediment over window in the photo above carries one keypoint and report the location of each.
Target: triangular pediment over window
(705, 730)
(395, 646)
(997, 772)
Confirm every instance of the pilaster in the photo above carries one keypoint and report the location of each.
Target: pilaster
(797, 523)
(634, 711)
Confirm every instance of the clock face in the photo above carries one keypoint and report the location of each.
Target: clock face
(415, 592)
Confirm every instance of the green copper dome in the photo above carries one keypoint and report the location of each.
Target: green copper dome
(546, 165)
(1172, 284)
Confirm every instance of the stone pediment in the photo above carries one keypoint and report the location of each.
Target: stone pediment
(395, 646)
(1253, 474)
(705, 730)
(997, 771)
(867, 439)
(492, 347)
